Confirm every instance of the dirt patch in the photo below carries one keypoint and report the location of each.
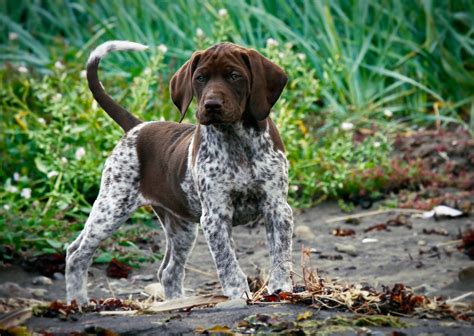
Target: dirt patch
(432, 264)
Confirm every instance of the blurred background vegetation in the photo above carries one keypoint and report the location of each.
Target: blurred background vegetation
(360, 72)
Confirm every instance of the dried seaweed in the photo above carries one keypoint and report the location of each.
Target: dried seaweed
(338, 232)
(329, 294)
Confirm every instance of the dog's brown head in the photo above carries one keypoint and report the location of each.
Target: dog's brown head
(230, 83)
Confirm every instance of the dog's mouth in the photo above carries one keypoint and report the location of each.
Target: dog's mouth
(215, 118)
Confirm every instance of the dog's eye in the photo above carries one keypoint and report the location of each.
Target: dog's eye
(200, 78)
(234, 75)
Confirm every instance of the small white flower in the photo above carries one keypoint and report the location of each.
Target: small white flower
(301, 56)
(16, 176)
(56, 98)
(6, 207)
(80, 152)
(162, 48)
(199, 32)
(281, 55)
(272, 43)
(22, 69)
(146, 72)
(294, 188)
(64, 160)
(53, 173)
(12, 189)
(222, 12)
(42, 121)
(83, 74)
(26, 193)
(347, 126)
(377, 144)
(12, 36)
(94, 105)
(388, 113)
(58, 65)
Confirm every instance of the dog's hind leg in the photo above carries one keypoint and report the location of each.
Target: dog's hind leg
(180, 238)
(118, 198)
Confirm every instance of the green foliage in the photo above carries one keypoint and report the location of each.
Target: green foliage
(363, 64)
(55, 145)
(401, 56)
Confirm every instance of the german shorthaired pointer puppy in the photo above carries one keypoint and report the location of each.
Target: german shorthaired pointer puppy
(230, 169)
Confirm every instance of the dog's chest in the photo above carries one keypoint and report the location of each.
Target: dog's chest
(232, 165)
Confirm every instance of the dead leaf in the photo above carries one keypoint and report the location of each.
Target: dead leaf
(442, 211)
(220, 329)
(304, 316)
(186, 303)
(15, 318)
(117, 269)
(377, 227)
(441, 232)
(343, 232)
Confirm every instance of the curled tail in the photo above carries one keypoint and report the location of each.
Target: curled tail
(121, 116)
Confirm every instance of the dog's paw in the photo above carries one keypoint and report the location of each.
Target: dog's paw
(235, 285)
(81, 300)
(237, 292)
(282, 283)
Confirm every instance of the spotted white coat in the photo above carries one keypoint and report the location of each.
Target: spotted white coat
(237, 176)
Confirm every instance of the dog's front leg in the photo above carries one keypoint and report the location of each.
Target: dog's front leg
(279, 226)
(216, 221)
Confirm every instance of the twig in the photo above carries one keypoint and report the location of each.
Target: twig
(459, 298)
(450, 242)
(197, 270)
(110, 287)
(371, 213)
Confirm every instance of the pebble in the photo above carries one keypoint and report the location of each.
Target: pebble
(42, 281)
(232, 304)
(303, 232)
(38, 293)
(369, 240)
(143, 277)
(466, 275)
(155, 290)
(10, 289)
(421, 242)
(346, 248)
(58, 276)
(424, 289)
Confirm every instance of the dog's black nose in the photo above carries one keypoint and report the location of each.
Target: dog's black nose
(213, 105)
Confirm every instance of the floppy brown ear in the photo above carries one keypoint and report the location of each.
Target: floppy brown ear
(181, 85)
(267, 83)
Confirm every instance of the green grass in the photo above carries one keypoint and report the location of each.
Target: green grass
(376, 65)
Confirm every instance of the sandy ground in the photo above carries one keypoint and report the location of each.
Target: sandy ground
(429, 263)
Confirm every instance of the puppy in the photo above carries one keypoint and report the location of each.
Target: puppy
(230, 169)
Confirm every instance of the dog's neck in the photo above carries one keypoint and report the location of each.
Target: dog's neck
(229, 133)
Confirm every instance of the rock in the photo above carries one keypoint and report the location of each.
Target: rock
(466, 275)
(10, 289)
(38, 293)
(42, 281)
(232, 304)
(375, 333)
(303, 232)
(155, 290)
(369, 240)
(143, 277)
(58, 276)
(424, 289)
(346, 248)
